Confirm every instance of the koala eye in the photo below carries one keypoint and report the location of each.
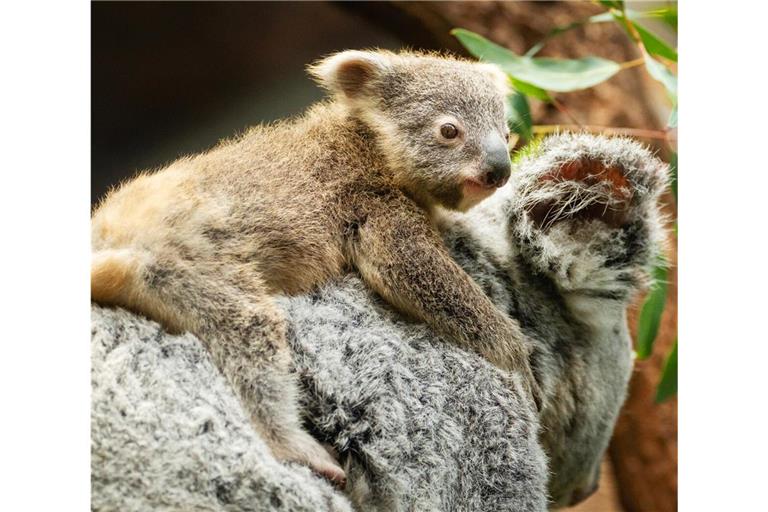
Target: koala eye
(506, 136)
(449, 131)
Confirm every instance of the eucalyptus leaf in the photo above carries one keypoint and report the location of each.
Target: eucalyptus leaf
(519, 118)
(603, 17)
(651, 42)
(672, 121)
(666, 14)
(613, 4)
(530, 90)
(560, 75)
(661, 73)
(631, 14)
(654, 45)
(668, 384)
(650, 314)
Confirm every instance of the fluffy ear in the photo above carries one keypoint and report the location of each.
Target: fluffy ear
(500, 78)
(349, 72)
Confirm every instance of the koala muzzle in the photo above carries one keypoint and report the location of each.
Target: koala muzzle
(497, 166)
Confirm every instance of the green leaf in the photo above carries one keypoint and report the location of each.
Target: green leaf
(603, 17)
(661, 73)
(668, 383)
(650, 314)
(613, 4)
(561, 75)
(519, 118)
(631, 14)
(564, 75)
(666, 14)
(651, 42)
(530, 90)
(672, 121)
(654, 45)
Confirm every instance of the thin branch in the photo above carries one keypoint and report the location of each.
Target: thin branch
(632, 63)
(605, 130)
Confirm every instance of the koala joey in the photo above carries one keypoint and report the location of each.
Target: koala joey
(204, 244)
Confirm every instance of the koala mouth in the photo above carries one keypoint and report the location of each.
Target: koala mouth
(474, 191)
(476, 188)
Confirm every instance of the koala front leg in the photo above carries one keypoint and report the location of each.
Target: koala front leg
(401, 256)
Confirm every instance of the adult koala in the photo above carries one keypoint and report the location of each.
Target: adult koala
(418, 423)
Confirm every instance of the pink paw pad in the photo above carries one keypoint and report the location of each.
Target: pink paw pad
(609, 203)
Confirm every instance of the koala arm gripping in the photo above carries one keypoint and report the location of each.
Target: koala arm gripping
(401, 255)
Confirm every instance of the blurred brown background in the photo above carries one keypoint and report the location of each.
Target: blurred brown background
(174, 78)
(170, 78)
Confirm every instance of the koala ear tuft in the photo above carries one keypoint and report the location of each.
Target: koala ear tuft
(499, 77)
(349, 72)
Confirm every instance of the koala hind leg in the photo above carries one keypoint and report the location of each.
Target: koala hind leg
(239, 325)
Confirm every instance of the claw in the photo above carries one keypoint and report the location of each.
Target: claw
(334, 474)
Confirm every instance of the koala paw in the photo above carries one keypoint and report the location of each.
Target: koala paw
(584, 209)
(582, 190)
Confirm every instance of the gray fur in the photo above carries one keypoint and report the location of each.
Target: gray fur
(418, 423)
(169, 434)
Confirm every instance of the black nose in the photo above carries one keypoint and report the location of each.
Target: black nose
(497, 166)
(498, 176)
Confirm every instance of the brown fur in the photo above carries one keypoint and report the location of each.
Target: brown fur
(203, 244)
(110, 272)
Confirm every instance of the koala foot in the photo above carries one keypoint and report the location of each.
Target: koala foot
(303, 448)
(583, 189)
(584, 210)
(586, 177)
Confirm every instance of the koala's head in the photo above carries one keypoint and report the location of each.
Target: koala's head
(439, 121)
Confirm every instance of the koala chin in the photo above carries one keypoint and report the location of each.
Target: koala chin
(205, 244)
